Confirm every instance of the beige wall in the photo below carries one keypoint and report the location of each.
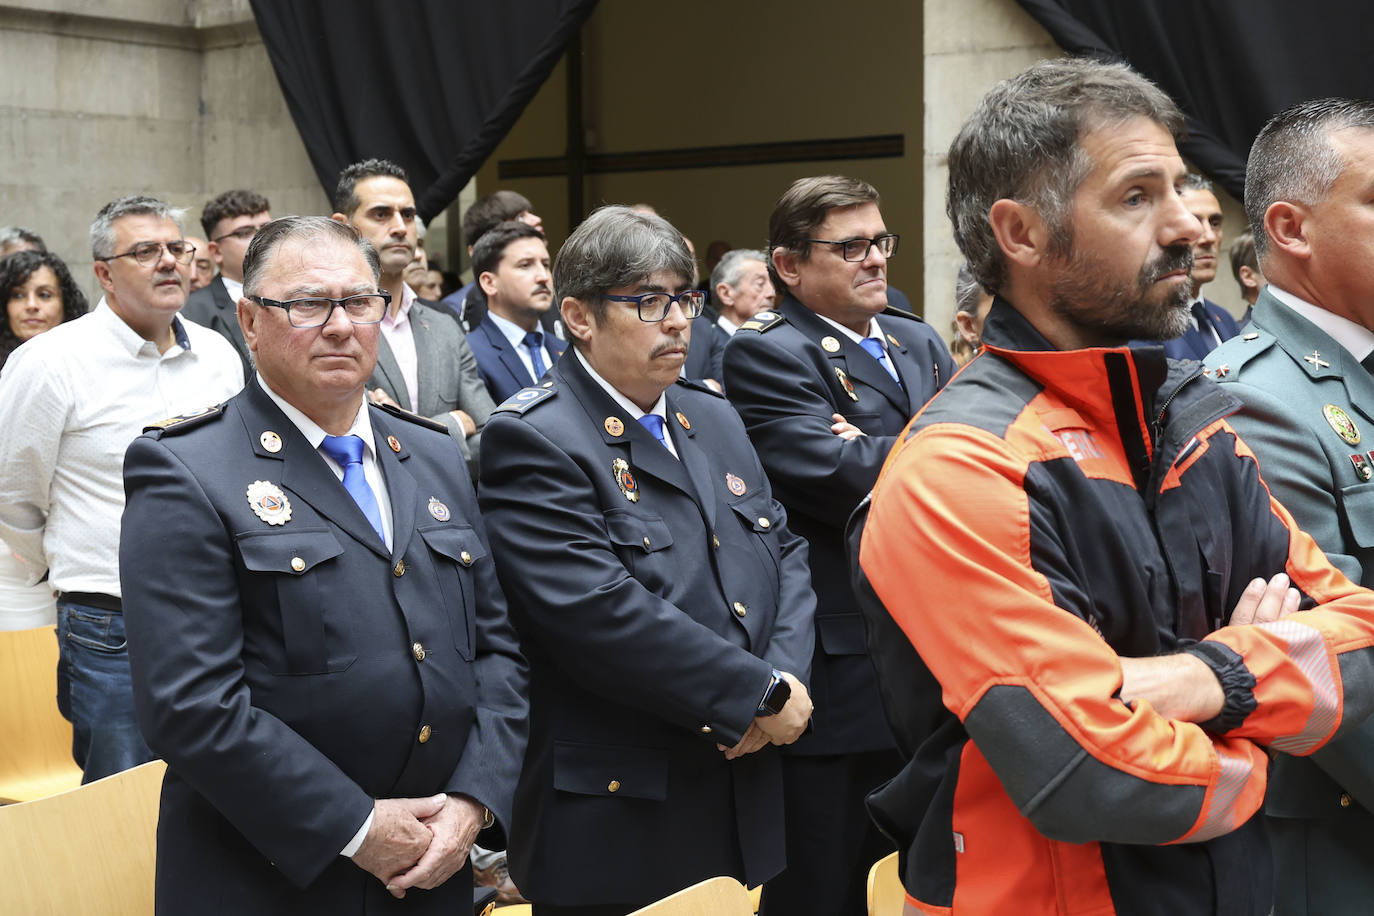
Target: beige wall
(165, 97)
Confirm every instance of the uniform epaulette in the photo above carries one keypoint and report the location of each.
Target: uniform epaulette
(402, 414)
(526, 398)
(698, 386)
(764, 321)
(1239, 351)
(174, 426)
(902, 313)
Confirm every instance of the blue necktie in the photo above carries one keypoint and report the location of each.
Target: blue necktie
(1204, 326)
(875, 348)
(534, 342)
(654, 424)
(348, 452)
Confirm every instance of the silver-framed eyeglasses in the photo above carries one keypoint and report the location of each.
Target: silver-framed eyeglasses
(149, 253)
(315, 311)
(857, 249)
(656, 306)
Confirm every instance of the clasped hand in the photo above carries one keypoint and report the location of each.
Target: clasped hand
(419, 842)
(783, 728)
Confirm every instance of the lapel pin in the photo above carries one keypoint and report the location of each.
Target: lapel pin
(894, 341)
(1340, 421)
(625, 480)
(1316, 361)
(270, 441)
(1362, 468)
(394, 443)
(614, 426)
(848, 385)
(682, 419)
(268, 502)
(438, 510)
(830, 344)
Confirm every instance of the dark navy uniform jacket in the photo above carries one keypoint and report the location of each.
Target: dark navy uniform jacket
(786, 383)
(291, 673)
(653, 596)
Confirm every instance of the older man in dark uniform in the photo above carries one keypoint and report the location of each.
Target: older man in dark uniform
(661, 599)
(319, 647)
(825, 382)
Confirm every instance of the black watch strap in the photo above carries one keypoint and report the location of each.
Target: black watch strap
(776, 696)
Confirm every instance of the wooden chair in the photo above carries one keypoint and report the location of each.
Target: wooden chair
(88, 850)
(35, 741)
(886, 896)
(712, 897)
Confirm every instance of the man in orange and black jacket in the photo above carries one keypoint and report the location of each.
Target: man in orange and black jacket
(1084, 556)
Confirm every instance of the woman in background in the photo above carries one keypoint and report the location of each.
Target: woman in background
(39, 294)
(971, 303)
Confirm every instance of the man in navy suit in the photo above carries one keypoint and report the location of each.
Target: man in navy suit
(1211, 324)
(825, 382)
(511, 263)
(663, 603)
(230, 222)
(320, 650)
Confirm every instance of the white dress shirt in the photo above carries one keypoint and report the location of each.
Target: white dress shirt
(1357, 339)
(401, 339)
(516, 336)
(660, 406)
(71, 401)
(1207, 327)
(234, 288)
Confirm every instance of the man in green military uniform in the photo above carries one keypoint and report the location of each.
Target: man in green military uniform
(1301, 370)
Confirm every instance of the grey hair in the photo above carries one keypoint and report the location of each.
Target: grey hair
(617, 246)
(1022, 143)
(731, 265)
(967, 291)
(269, 238)
(102, 229)
(1292, 159)
(18, 235)
(1195, 181)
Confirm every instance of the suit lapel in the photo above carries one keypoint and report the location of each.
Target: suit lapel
(693, 459)
(426, 359)
(908, 367)
(400, 485)
(390, 371)
(506, 355)
(853, 359)
(1300, 339)
(229, 314)
(303, 471)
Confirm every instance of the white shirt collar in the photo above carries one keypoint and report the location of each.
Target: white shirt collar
(408, 298)
(660, 406)
(873, 329)
(512, 331)
(130, 339)
(726, 325)
(314, 434)
(1357, 339)
(233, 287)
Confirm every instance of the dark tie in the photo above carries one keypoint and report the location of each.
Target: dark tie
(1368, 363)
(654, 424)
(1204, 326)
(875, 348)
(534, 342)
(348, 452)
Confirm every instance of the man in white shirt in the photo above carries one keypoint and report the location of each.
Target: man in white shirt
(70, 403)
(742, 288)
(230, 222)
(1301, 369)
(424, 363)
(319, 647)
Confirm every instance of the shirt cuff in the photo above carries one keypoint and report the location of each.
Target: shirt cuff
(356, 843)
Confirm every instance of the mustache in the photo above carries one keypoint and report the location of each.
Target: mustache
(672, 343)
(1175, 257)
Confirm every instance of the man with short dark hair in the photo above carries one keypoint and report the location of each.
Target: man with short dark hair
(320, 649)
(486, 213)
(1211, 324)
(825, 382)
(71, 400)
(660, 597)
(1245, 268)
(1078, 585)
(1301, 373)
(230, 221)
(424, 363)
(511, 263)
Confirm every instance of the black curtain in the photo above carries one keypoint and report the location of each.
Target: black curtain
(430, 84)
(1229, 64)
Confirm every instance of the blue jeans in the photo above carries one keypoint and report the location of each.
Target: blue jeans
(95, 690)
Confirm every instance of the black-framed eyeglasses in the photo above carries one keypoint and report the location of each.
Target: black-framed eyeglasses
(315, 311)
(655, 306)
(242, 233)
(857, 249)
(149, 253)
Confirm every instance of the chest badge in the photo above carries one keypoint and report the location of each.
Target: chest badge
(735, 485)
(625, 480)
(394, 443)
(270, 441)
(438, 510)
(846, 384)
(830, 344)
(1362, 468)
(269, 503)
(1340, 421)
(614, 426)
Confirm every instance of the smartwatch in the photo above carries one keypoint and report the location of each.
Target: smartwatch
(776, 696)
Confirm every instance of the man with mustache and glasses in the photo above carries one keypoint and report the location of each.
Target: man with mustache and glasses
(511, 263)
(1077, 583)
(71, 400)
(663, 604)
(825, 382)
(424, 363)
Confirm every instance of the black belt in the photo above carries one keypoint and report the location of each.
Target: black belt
(94, 599)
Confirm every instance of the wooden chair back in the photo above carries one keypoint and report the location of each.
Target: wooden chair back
(886, 896)
(88, 850)
(35, 741)
(712, 897)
